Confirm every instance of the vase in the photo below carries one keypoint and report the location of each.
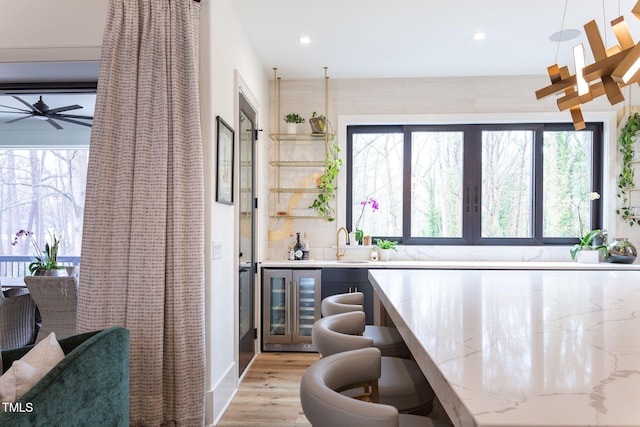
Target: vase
(383, 254)
(352, 239)
(318, 125)
(587, 256)
(622, 251)
(291, 127)
(51, 272)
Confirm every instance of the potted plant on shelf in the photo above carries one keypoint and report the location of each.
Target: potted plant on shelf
(384, 247)
(327, 181)
(292, 120)
(318, 123)
(46, 263)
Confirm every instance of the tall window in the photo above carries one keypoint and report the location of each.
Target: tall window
(43, 169)
(474, 184)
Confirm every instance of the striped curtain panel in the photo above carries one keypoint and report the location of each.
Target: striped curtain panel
(143, 241)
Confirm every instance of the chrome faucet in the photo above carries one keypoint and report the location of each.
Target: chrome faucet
(340, 254)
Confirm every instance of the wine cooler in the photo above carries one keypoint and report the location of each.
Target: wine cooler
(290, 304)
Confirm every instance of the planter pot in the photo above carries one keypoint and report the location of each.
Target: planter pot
(52, 272)
(588, 257)
(621, 251)
(383, 254)
(291, 127)
(318, 125)
(353, 240)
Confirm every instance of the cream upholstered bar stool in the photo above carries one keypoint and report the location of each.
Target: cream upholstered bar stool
(325, 406)
(386, 338)
(401, 383)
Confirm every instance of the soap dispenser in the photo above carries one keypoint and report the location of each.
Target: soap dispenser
(373, 256)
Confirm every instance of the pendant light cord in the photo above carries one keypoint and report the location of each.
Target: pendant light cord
(564, 14)
(604, 24)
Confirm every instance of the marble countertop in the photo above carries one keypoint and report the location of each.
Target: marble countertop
(523, 348)
(456, 265)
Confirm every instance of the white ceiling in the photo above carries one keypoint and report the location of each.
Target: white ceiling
(421, 38)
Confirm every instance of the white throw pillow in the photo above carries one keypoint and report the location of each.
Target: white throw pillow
(26, 372)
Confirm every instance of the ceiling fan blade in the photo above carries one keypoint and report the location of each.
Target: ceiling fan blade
(15, 112)
(14, 108)
(65, 119)
(18, 119)
(61, 109)
(73, 116)
(31, 107)
(54, 124)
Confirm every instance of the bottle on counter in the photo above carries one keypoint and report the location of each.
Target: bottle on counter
(297, 249)
(290, 247)
(305, 246)
(373, 256)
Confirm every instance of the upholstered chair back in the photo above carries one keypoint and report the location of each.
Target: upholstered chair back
(340, 332)
(342, 303)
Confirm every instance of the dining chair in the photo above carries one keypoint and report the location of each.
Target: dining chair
(401, 383)
(57, 301)
(325, 406)
(17, 318)
(386, 338)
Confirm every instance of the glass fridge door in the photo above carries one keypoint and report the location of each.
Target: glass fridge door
(307, 303)
(276, 309)
(278, 306)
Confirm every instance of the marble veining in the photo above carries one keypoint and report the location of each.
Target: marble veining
(523, 348)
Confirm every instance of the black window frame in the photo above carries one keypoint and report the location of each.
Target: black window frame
(472, 172)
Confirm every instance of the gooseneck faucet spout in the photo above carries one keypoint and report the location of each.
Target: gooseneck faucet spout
(339, 253)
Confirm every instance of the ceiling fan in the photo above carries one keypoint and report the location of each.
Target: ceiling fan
(41, 111)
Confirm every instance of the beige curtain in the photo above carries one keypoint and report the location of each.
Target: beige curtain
(143, 244)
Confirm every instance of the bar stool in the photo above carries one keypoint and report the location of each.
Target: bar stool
(324, 406)
(386, 338)
(401, 383)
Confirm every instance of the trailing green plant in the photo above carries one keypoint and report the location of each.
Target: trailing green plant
(293, 118)
(387, 244)
(327, 181)
(626, 142)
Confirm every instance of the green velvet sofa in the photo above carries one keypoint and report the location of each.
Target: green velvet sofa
(90, 386)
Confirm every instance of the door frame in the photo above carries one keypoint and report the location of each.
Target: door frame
(241, 88)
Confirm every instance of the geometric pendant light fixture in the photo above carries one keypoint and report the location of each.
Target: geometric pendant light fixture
(613, 69)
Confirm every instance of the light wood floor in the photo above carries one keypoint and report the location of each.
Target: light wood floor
(269, 393)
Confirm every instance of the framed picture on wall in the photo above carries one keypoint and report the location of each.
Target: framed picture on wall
(224, 176)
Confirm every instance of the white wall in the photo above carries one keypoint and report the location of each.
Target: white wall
(227, 62)
(438, 100)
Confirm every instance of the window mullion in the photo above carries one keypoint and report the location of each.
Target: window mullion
(472, 203)
(406, 185)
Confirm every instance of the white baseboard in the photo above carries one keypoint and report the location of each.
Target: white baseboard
(218, 399)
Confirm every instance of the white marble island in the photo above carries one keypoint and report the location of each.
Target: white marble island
(523, 348)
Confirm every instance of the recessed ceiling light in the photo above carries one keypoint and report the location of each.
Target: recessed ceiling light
(479, 35)
(304, 39)
(564, 35)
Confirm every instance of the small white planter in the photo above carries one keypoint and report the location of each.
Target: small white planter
(588, 257)
(383, 254)
(291, 127)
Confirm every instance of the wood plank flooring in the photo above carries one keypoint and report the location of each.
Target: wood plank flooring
(269, 393)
